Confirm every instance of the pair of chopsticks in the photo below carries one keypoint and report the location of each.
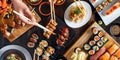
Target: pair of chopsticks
(34, 56)
(36, 24)
(52, 8)
(78, 5)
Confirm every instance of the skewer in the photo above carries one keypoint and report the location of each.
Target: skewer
(52, 10)
(34, 55)
(37, 57)
(36, 24)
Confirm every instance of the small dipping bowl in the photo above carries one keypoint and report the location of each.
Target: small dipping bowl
(115, 30)
(60, 2)
(34, 3)
(44, 8)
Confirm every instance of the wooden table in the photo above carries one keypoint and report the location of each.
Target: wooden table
(22, 40)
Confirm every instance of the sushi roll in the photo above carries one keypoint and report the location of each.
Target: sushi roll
(46, 53)
(91, 52)
(96, 38)
(104, 39)
(43, 43)
(35, 36)
(100, 43)
(39, 51)
(50, 50)
(45, 57)
(33, 40)
(101, 34)
(92, 42)
(30, 44)
(95, 48)
(105, 3)
(94, 30)
(86, 46)
(77, 50)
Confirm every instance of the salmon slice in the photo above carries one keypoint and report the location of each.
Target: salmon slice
(113, 8)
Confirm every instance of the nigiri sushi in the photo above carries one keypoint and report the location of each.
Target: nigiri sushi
(117, 53)
(105, 56)
(112, 49)
(98, 54)
(113, 58)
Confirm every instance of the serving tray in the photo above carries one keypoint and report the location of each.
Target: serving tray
(18, 32)
(85, 37)
(109, 18)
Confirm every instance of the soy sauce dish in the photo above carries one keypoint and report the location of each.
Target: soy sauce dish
(115, 29)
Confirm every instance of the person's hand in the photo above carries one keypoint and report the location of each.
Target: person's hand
(54, 1)
(22, 8)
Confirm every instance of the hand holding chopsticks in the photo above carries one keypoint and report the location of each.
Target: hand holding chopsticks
(35, 23)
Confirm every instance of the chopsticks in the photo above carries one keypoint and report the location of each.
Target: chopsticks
(36, 24)
(52, 8)
(78, 5)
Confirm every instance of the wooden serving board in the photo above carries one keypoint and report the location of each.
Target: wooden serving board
(85, 37)
(18, 32)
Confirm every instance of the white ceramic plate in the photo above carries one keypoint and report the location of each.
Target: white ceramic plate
(16, 47)
(82, 22)
(110, 18)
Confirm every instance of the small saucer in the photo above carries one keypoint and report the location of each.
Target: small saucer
(115, 29)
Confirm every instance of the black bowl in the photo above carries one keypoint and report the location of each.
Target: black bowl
(12, 51)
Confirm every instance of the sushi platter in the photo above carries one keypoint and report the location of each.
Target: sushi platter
(108, 10)
(88, 41)
(15, 33)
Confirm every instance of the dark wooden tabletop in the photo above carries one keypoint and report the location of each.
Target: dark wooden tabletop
(60, 14)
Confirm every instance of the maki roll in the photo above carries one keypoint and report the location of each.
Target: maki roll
(96, 38)
(77, 50)
(30, 44)
(50, 50)
(86, 46)
(45, 57)
(94, 30)
(43, 43)
(91, 52)
(100, 43)
(33, 40)
(95, 48)
(104, 39)
(46, 53)
(101, 34)
(35, 36)
(39, 51)
(91, 43)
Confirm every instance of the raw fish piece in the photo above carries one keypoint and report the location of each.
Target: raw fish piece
(113, 58)
(105, 56)
(98, 54)
(112, 49)
(117, 53)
